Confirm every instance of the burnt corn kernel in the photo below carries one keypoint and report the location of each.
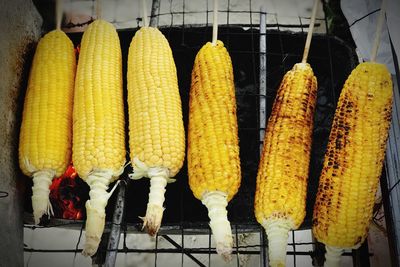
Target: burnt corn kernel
(213, 144)
(284, 162)
(353, 161)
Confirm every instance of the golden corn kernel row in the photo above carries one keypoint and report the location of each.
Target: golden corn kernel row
(45, 136)
(156, 132)
(213, 146)
(99, 124)
(354, 158)
(283, 170)
(99, 133)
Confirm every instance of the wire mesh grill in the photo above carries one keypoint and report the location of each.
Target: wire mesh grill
(186, 13)
(185, 217)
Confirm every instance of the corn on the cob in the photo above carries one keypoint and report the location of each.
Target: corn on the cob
(353, 160)
(156, 132)
(46, 130)
(98, 131)
(213, 149)
(283, 171)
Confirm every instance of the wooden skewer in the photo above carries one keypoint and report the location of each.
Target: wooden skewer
(144, 11)
(378, 31)
(155, 6)
(98, 9)
(215, 23)
(310, 32)
(59, 12)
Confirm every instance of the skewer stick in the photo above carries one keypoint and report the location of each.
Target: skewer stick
(215, 23)
(145, 20)
(98, 9)
(155, 6)
(378, 32)
(310, 32)
(59, 12)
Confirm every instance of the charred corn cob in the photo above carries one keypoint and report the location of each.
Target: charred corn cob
(156, 132)
(353, 160)
(46, 130)
(213, 149)
(99, 138)
(283, 170)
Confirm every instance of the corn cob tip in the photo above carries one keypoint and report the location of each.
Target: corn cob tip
(94, 228)
(225, 249)
(153, 218)
(154, 213)
(98, 182)
(40, 194)
(216, 203)
(332, 256)
(159, 177)
(277, 231)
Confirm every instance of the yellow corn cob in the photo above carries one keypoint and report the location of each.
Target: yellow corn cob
(156, 132)
(98, 132)
(283, 171)
(353, 160)
(213, 149)
(45, 137)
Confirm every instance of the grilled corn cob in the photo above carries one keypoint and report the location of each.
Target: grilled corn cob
(353, 160)
(98, 131)
(283, 171)
(213, 149)
(156, 132)
(45, 137)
